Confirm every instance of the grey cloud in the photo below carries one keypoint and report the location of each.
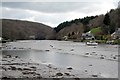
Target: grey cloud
(20, 14)
(26, 15)
(50, 12)
(53, 7)
(54, 0)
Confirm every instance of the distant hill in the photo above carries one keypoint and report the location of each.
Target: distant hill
(17, 29)
(99, 25)
(73, 28)
(73, 31)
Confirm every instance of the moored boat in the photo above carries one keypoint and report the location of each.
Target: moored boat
(91, 43)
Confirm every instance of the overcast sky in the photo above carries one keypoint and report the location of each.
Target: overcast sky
(53, 13)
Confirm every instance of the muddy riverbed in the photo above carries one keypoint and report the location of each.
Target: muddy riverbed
(57, 59)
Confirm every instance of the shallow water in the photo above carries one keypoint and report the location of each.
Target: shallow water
(68, 54)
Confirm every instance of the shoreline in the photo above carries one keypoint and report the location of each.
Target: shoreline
(110, 42)
(15, 67)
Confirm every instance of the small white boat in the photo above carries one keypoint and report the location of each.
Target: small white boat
(91, 43)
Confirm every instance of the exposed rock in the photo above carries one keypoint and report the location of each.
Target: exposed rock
(20, 69)
(27, 69)
(14, 48)
(59, 74)
(114, 57)
(59, 49)
(33, 67)
(8, 56)
(16, 56)
(93, 52)
(90, 65)
(13, 68)
(51, 46)
(94, 75)
(55, 68)
(28, 72)
(86, 71)
(72, 50)
(67, 74)
(47, 50)
(5, 78)
(69, 68)
(77, 78)
(39, 77)
(101, 57)
(86, 53)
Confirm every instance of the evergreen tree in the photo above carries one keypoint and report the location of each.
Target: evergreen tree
(106, 21)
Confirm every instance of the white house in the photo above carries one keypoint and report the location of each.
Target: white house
(116, 34)
(65, 37)
(88, 36)
(32, 37)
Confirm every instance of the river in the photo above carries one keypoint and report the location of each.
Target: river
(101, 59)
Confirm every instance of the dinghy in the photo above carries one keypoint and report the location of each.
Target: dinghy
(91, 43)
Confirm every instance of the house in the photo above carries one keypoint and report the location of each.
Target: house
(88, 36)
(32, 37)
(65, 37)
(116, 34)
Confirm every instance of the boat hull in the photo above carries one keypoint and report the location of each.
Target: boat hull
(91, 44)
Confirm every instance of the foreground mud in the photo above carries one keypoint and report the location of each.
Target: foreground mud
(15, 67)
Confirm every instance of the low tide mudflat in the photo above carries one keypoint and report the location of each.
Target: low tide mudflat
(58, 59)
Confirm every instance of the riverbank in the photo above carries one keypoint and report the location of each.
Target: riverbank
(58, 59)
(112, 42)
(15, 67)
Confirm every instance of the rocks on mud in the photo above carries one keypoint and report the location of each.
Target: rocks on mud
(102, 57)
(59, 74)
(51, 46)
(4, 68)
(77, 78)
(33, 67)
(47, 50)
(49, 65)
(72, 50)
(86, 71)
(86, 53)
(27, 69)
(114, 58)
(7, 56)
(90, 65)
(20, 69)
(93, 52)
(13, 68)
(94, 75)
(59, 49)
(69, 68)
(5, 78)
(28, 72)
(16, 56)
(68, 74)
